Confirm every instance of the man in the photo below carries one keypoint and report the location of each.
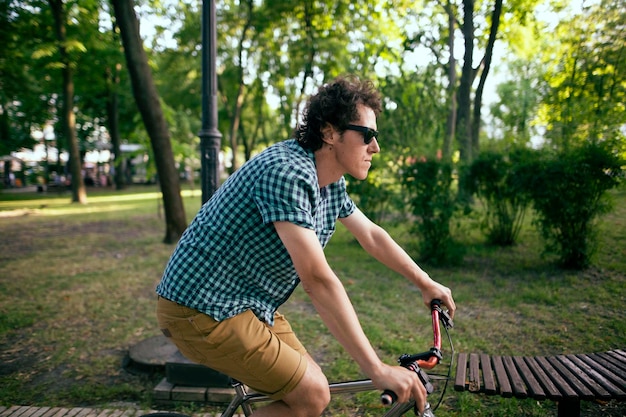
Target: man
(261, 234)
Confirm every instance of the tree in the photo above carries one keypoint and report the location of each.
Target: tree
(103, 90)
(180, 61)
(68, 118)
(147, 99)
(464, 116)
(405, 127)
(19, 83)
(585, 86)
(480, 24)
(516, 108)
(246, 14)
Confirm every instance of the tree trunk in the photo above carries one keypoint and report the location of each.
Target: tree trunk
(147, 99)
(478, 97)
(239, 99)
(463, 127)
(308, 65)
(113, 81)
(79, 193)
(451, 90)
(235, 121)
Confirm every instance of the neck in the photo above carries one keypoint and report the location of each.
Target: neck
(327, 170)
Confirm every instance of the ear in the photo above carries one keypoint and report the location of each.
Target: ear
(328, 134)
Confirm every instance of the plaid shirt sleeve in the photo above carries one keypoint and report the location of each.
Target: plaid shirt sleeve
(282, 193)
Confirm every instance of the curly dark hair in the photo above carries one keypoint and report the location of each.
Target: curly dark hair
(335, 103)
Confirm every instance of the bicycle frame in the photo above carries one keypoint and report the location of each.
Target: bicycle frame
(244, 399)
(425, 360)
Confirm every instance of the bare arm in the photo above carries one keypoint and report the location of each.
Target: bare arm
(377, 242)
(336, 311)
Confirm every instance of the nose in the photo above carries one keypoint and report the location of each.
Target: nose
(373, 146)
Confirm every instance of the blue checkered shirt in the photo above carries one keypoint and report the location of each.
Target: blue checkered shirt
(230, 259)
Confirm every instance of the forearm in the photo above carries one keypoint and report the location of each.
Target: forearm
(384, 249)
(378, 243)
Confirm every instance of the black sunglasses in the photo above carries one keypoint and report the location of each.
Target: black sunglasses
(368, 134)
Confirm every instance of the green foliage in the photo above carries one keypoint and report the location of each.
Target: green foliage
(569, 193)
(24, 85)
(518, 100)
(495, 179)
(406, 129)
(378, 194)
(430, 196)
(585, 82)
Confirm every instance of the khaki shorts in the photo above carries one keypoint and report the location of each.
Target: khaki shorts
(270, 360)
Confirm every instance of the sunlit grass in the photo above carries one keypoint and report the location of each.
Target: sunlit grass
(11, 205)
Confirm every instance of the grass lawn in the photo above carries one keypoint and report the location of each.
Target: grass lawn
(77, 291)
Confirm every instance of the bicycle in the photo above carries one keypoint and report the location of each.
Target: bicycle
(417, 362)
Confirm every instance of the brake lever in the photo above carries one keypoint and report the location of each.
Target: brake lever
(444, 316)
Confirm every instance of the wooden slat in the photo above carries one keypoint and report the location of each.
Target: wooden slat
(461, 371)
(559, 382)
(41, 411)
(613, 361)
(72, 412)
(615, 357)
(490, 383)
(474, 373)
(51, 412)
(534, 387)
(593, 374)
(552, 392)
(29, 412)
(621, 352)
(598, 390)
(582, 390)
(503, 379)
(9, 411)
(519, 389)
(607, 369)
(61, 412)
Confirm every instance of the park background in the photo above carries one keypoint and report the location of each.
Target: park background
(466, 85)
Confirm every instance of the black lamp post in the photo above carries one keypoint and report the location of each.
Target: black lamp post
(210, 136)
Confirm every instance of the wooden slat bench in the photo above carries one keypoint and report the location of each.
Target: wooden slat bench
(566, 379)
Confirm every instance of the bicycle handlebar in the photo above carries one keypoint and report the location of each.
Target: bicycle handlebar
(425, 360)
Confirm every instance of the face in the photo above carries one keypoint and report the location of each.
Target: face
(353, 155)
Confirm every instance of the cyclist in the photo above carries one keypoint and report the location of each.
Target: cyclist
(261, 234)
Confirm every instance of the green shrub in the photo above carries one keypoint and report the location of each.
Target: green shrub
(494, 178)
(569, 193)
(429, 193)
